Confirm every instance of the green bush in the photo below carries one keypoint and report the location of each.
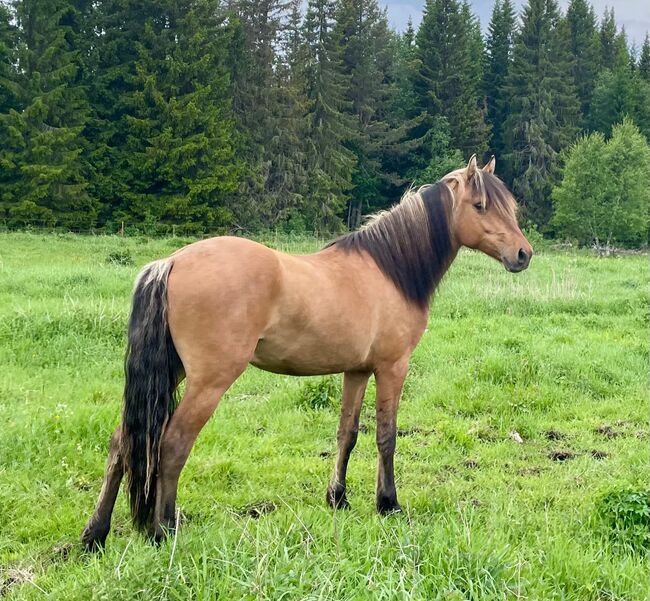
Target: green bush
(120, 257)
(320, 394)
(624, 516)
(604, 195)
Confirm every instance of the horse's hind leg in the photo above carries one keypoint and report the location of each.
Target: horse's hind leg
(354, 386)
(198, 404)
(94, 535)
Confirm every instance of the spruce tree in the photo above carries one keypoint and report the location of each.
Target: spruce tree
(186, 171)
(498, 59)
(608, 44)
(406, 151)
(46, 142)
(260, 111)
(287, 176)
(329, 162)
(447, 82)
(366, 46)
(543, 105)
(164, 123)
(8, 75)
(113, 88)
(620, 92)
(10, 136)
(644, 59)
(585, 49)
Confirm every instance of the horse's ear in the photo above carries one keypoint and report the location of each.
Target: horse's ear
(491, 164)
(471, 167)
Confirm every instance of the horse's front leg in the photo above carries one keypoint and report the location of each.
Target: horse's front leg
(390, 380)
(354, 387)
(94, 535)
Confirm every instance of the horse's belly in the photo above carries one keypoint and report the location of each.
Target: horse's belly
(304, 355)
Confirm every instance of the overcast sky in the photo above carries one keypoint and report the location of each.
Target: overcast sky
(633, 14)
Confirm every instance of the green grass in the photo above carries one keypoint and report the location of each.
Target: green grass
(558, 354)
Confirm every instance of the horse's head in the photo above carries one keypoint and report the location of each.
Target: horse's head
(485, 215)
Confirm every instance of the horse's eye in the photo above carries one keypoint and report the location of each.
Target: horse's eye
(479, 207)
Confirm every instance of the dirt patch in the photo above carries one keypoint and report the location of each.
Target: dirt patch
(325, 454)
(61, 552)
(14, 577)
(470, 464)
(596, 454)
(413, 431)
(607, 431)
(561, 455)
(363, 428)
(530, 471)
(554, 435)
(257, 510)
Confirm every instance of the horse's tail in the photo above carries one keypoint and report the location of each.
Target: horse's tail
(152, 368)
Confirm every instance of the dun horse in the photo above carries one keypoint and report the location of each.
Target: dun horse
(359, 306)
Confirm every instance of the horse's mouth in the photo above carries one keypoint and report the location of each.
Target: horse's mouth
(514, 267)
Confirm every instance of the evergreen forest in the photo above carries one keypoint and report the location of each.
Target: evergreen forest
(242, 116)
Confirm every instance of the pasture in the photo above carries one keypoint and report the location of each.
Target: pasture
(521, 461)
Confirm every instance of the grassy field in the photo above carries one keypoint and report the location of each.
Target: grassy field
(522, 460)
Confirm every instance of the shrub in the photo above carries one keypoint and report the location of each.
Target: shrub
(320, 394)
(624, 516)
(120, 257)
(604, 195)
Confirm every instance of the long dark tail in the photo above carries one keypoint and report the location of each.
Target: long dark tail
(152, 368)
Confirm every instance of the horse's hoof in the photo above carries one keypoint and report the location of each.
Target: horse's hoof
(93, 539)
(387, 505)
(336, 498)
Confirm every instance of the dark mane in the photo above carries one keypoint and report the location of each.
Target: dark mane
(411, 242)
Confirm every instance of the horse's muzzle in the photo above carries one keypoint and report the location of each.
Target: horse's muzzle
(520, 263)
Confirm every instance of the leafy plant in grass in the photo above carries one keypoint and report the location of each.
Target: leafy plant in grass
(320, 394)
(624, 515)
(120, 257)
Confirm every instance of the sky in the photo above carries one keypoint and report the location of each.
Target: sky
(633, 14)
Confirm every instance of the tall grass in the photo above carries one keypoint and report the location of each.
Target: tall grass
(557, 355)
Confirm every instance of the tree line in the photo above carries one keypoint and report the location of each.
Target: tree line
(216, 115)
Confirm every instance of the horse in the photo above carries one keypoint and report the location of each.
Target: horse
(359, 307)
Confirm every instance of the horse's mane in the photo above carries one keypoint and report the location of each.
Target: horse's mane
(412, 241)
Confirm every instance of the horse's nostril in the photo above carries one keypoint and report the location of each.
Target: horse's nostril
(522, 256)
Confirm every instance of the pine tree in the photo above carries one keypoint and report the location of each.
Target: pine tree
(168, 134)
(47, 146)
(406, 151)
(286, 182)
(8, 42)
(447, 79)
(644, 59)
(498, 59)
(608, 45)
(182, 109)
(260, 112)
(544, 107)
(365, 44)
(585, 49)
(112, 91)
(620, 92)
(330, 163)
(10, 136)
